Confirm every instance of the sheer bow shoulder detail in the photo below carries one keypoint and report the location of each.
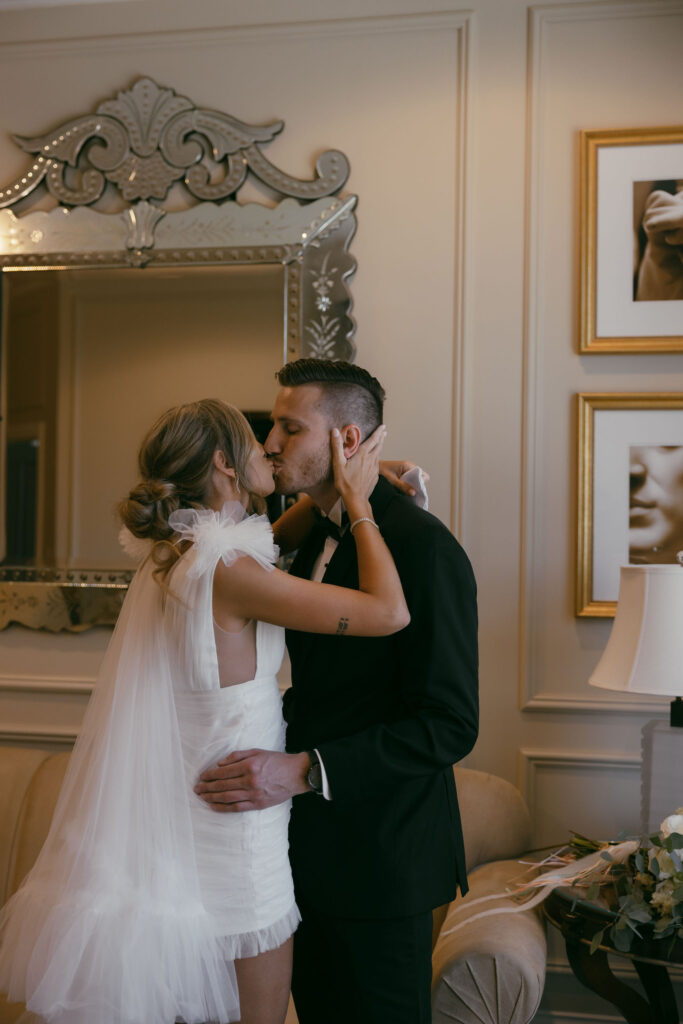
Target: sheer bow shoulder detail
(228, 534)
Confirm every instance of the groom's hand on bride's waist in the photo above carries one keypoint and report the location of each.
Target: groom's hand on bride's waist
(249, 780)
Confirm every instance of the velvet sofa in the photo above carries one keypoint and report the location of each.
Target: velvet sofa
(490, 971)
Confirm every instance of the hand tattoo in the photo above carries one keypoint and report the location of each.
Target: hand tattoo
(342, 627)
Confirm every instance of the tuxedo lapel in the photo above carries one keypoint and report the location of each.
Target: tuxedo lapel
(302, 565)
(381, 498)
(342, 562)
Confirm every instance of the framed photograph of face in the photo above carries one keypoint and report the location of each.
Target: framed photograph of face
(632, 240)
(630, 490)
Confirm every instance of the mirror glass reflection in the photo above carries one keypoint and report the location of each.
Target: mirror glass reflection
(89, 359)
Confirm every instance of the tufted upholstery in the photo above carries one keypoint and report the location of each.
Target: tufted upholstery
(491, 972)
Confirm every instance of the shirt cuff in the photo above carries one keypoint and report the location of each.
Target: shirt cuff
(326, 786)
(415, 477)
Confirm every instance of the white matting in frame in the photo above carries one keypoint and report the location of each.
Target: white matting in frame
(614, 432)
(618, 315)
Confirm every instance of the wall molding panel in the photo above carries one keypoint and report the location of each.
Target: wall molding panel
(541, 20)
(31, 706)
(39, 737)
(462, 327)
(556, 703)
(222, 36)
(562, 990)
(48, 685)
(532, 761)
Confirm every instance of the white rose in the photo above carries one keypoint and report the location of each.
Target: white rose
(666, 866)
(663, 898)
(674, 823)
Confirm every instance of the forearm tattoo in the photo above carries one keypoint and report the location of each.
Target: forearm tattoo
(342, 627)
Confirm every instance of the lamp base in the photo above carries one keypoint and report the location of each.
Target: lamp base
(661, 791)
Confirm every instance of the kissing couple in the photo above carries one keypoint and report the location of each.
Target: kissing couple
(164, 891)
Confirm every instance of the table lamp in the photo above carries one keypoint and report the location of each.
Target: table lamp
(644, 654)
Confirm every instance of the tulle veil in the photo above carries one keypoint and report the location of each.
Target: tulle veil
(114, 894)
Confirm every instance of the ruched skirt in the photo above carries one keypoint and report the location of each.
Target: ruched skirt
(242, 857)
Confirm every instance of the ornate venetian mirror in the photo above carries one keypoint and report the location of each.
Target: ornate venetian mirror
(133, 279)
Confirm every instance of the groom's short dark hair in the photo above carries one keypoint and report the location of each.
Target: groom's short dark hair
(350, 393)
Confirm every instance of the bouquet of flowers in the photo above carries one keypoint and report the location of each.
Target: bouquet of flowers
(644, 888)
(640, 881)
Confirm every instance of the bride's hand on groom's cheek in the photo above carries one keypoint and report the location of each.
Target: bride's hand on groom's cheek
(249, 780)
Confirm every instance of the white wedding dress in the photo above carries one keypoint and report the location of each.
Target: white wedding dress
(142, 896)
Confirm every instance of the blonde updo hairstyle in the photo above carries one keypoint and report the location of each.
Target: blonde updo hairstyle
(175, 462)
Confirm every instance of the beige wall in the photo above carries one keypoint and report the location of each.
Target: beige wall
(139, 344)
(129, 345)
(462, 132)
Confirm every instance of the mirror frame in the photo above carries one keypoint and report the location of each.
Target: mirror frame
(134, 148)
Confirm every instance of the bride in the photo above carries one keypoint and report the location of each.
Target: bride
(143, 906)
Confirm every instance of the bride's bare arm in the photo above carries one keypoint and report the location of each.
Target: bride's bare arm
(293, 526)
(377, 608)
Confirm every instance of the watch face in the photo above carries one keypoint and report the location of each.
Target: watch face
(315, 778)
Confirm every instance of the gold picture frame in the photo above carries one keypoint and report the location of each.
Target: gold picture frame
(608, 426)
(616, 167)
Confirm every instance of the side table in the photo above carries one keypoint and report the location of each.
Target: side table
(578, 920)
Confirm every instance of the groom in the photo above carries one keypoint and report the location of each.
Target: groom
(373, 728)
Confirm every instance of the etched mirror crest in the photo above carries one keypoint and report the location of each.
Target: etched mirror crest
(168, 272)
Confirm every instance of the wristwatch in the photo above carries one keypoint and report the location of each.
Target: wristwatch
(314, 775)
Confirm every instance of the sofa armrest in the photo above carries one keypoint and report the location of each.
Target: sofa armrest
(18, 766)
(495, 820)
(493, 970)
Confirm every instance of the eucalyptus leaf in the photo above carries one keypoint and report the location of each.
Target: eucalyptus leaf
(597, 940)
(622, 938)
(640, 912)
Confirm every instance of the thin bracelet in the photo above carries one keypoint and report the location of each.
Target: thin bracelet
(363, 519)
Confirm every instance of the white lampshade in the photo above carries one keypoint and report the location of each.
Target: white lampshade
(644, 653)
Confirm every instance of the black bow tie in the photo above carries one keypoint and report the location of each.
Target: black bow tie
(325, 527)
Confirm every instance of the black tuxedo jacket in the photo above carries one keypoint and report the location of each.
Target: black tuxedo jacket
(390, 716)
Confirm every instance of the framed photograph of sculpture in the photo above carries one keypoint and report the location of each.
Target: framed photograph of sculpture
(630, 490)
(632, 240)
